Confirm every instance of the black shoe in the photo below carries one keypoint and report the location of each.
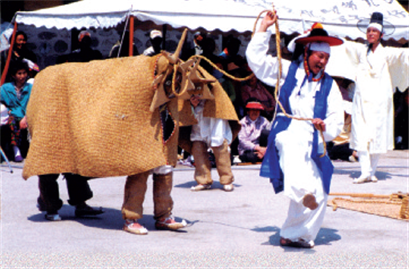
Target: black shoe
(298, 244)
(88, 211)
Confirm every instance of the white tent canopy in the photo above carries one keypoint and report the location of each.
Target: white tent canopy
(339, 18)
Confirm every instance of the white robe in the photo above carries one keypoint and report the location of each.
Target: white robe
(301, 175)
(377, 75)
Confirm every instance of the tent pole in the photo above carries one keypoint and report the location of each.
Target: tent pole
(164, 36)
(131, 34)
(6, 67)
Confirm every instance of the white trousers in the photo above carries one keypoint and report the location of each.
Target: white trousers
(301, 176)
(368, 163)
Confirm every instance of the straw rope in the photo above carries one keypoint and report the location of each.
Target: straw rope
(366, 202)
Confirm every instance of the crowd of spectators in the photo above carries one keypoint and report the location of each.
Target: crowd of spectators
(23, 68)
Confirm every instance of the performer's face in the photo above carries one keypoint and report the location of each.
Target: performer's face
(317, 61)
(373, 35)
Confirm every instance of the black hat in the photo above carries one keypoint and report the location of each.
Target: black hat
(377, 18)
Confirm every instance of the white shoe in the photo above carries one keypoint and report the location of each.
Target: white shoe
(53, 217)
(373, 179)
(200, 187)
(361, 179)
(228, 187)
(236, 160)
(132, 226)
(351, 158)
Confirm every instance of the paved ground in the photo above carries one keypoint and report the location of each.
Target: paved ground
(239, 229)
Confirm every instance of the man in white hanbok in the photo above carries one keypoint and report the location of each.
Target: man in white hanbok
(379, 71)
(292, 160)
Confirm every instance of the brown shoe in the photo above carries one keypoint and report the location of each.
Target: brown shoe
(310, 202)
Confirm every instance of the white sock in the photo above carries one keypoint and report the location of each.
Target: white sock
(16, 151)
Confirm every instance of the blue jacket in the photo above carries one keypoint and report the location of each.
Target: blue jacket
(270, 167)
(9, 99)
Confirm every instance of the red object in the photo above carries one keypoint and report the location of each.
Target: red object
(131, 31)
(6, 67)
(254, 105)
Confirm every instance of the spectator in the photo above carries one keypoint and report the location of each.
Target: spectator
(85, 53)
(124, 52)
(15, 96)
(20, 53)
(401, 120)
(195, 47)
(156, 41)
(215, 134)
(253, 134)
(255, 89)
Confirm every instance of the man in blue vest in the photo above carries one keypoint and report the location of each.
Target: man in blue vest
(294, 160)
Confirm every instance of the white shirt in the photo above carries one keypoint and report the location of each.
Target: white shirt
(210, 130)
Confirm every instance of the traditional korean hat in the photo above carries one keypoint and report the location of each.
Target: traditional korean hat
(376, 20)
(254, 105)
(316, 35)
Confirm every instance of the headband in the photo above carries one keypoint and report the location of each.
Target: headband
(376, 25)
(320, 46)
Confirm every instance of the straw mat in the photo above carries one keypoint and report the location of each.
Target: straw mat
(93, 119)
(394, 206)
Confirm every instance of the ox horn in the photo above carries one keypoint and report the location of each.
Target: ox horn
(174, 58)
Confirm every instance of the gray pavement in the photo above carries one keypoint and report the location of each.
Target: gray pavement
(238, 229)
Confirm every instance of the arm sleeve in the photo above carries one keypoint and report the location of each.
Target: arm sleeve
(334, 120)
(244, 142)
(398, 60)
(264, 66)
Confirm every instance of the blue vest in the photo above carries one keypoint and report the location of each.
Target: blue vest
(270, 167)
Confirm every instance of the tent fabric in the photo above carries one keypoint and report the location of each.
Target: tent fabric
(339, 18)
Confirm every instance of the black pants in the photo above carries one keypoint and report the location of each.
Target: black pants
(251, 156)
(77, 187)
(342, 151)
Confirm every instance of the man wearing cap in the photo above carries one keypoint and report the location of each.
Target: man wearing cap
(253, 134)
(85, 53)
(379, 70)
(156, 41)
(294, 158)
